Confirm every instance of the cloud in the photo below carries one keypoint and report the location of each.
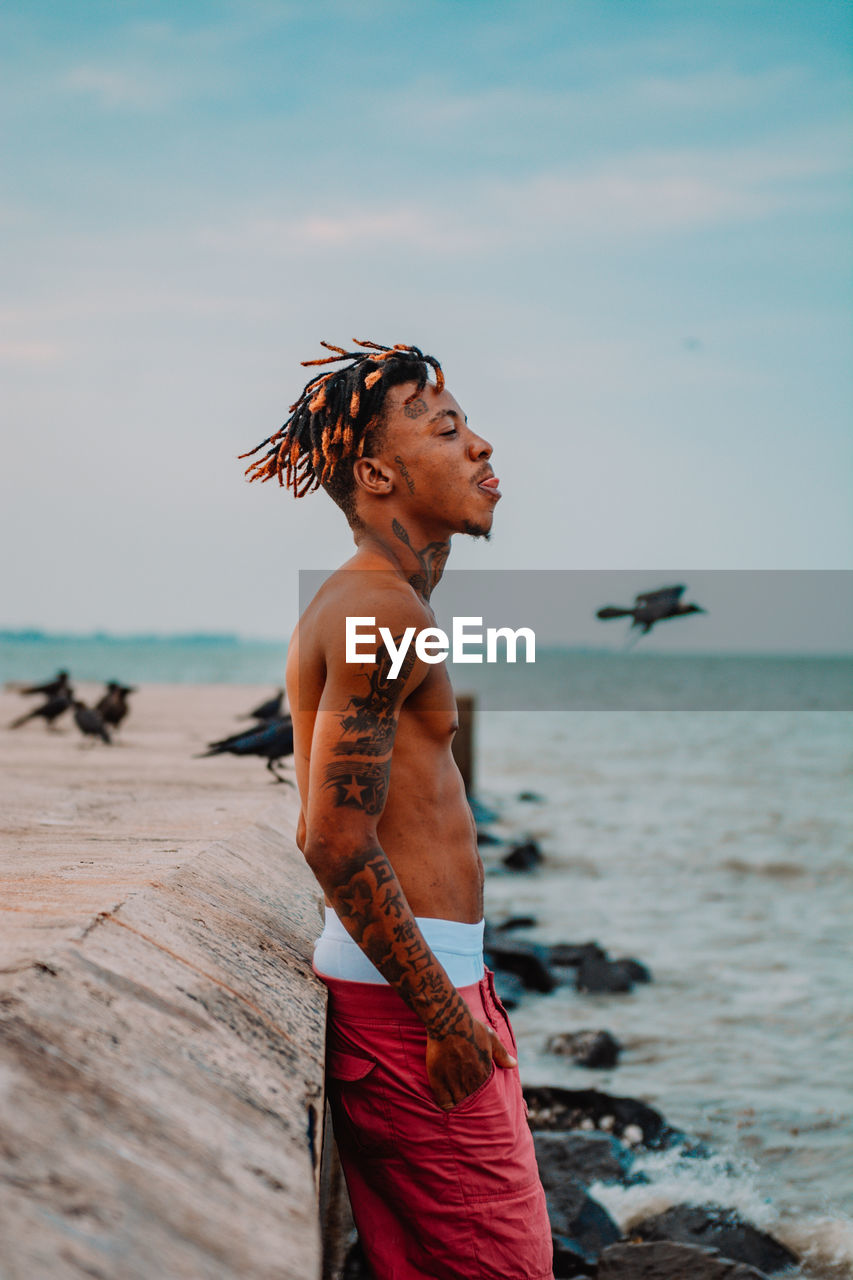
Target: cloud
(637, 194)
(118, 88)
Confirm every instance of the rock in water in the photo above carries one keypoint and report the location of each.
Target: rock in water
(527, 959)
(554, 1108)
(571, 955)
(635, 969)
(669, 1261)
(581, 1157)
(580, 1227)
(524, 857)
(597, 975)
(587, 1048)
(720, 1229)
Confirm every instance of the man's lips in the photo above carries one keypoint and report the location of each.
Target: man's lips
(490, 486)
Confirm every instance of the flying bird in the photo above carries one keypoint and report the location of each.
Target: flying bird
(89, 722)
(48, 711)
(272, 741)
(652, 607)
(269, 710)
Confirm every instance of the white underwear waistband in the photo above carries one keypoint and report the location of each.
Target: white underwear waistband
(457, 946)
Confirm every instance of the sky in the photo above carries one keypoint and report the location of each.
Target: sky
(623, 228)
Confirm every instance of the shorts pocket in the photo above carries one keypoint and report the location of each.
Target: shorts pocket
(468, 1103)
(357, 1097)
(346, 1066)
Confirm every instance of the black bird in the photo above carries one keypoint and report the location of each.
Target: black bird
(89, 722)
(59, 684)
(652, 607)
(112, 707)
(48, 711)
(272, 741)
(269, 710)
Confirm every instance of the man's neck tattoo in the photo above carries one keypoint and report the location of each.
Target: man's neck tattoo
(431, 559)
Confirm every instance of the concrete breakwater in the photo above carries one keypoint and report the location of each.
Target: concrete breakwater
(161, 1031)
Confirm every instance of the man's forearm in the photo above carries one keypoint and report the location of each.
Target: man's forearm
(368, 898)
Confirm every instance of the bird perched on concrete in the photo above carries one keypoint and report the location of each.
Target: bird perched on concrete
(113, 705)
(49, 711)
(89, 721)
(652, 607)
(269, 710)
(272, 741)
(61, 683)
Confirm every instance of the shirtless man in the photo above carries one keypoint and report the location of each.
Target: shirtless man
(421, 1075)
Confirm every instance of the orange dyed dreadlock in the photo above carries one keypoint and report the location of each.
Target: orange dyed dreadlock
(335, 414)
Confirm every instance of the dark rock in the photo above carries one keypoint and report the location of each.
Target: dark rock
(572, 954)
(582, 1157)
(720, 1229)
(486, 837)
(587, 1048)
(524, 857)
(668, 1261)
(527, 959)
(509, 988)
(597, 975)
(635, 969)
(580, 1227)
(517, 922)
(532, 797)
(555, 1108)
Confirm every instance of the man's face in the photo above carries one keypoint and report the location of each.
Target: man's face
(441, 467)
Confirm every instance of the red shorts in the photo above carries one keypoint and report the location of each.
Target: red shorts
(449, 1195)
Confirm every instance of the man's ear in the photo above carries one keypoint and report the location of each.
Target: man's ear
(373, 476)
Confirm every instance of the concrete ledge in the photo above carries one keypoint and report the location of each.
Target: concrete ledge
(161, 1070)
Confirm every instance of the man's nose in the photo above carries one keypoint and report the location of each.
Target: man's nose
(479, 448)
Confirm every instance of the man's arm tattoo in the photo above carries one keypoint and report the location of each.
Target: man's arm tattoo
(383, 926)
(358, 785)
(370, 726)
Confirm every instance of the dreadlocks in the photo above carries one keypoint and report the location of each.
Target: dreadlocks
(338, 416)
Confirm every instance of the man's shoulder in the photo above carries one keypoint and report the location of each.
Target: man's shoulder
(376, 597)
(373, 593)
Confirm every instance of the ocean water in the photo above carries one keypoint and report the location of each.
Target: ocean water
(713, 845)
(716, 848)
(208, 659)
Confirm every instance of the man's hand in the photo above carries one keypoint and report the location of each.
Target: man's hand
(458, 1064)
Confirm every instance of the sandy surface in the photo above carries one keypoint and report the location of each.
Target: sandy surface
(84, 825)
